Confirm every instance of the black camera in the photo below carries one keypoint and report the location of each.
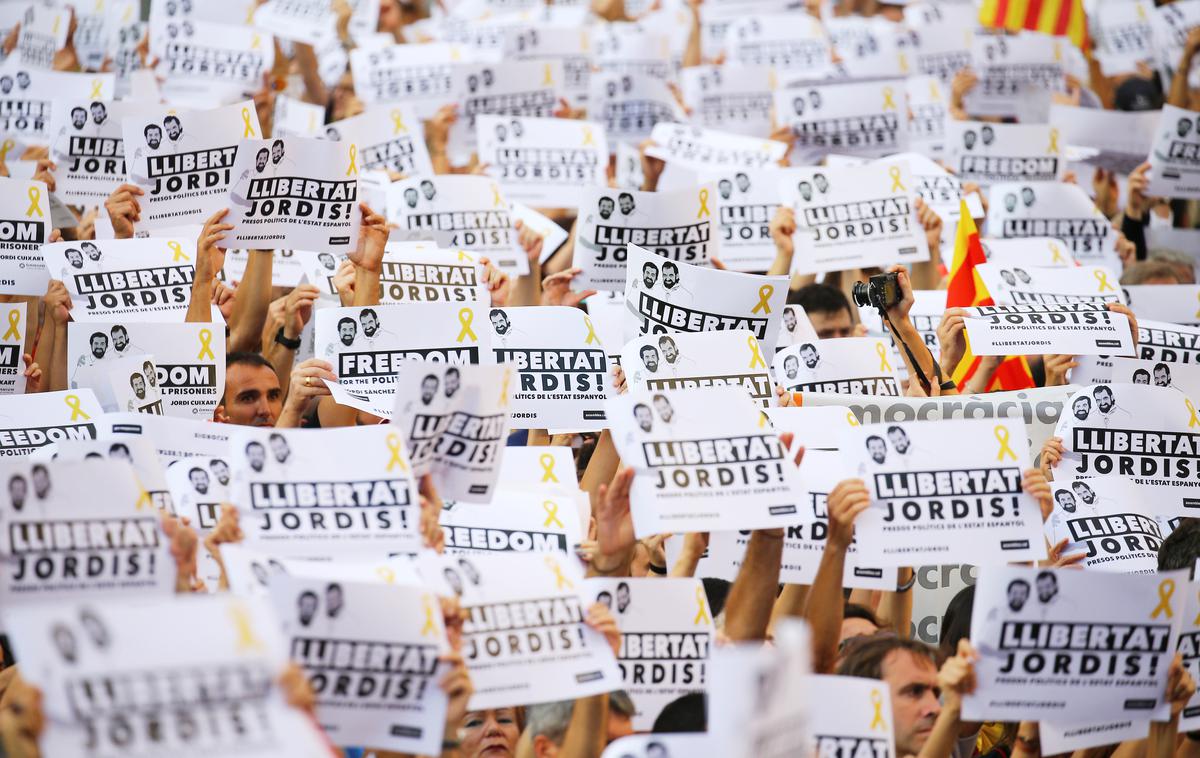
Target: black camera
(881, 291)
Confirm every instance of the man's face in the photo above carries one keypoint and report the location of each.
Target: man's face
(606, 207)
(139, 386)
(346, 331)
(665, 412)
(78, 117)
(743, 182)
(370, 324)
(308, 608)
(428, 189)
(327, 260)
(1008, 278)
(99, 113)
(821, 182)
(75, 258)
(1065, 501)
(154, 137)
(257, 456)
(174, 128)
(333, 600)
(452, 382)
(1141, 377)
(499, 323)
(626, 204)
(644, 419)
(670, 276)
(1085, 493)
(252, 395)
(969, 139)
(99, 345)
(411, 197)
(899, 440)
(1081, 407)
(809, 354)
(649, 275)
(1023, 275)
(428, 389)
(725, 187)
(199, 481)
(17, 490)
(789, 320)
(279, 448)
(151, 374)
(805, 190)
(1027, 196)
(650, 359)
(276, 152)
(1047, 588)
(915, 707)
(622, 597)
(220, 470)
(1018, 594)
(877, 450)
(41, 481)
(832, 324)
(791, 366)
(260, 160)
(1162, 377)
(1104, 400)
(120, 338)
(669, 350)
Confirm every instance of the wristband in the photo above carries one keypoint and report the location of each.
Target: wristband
(290, 344)
(907, 585)
(660, 570)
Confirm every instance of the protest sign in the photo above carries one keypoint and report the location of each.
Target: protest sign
(1170, 28)
(1117, 525)
(1124, 37)
(199, 486)
(550, 468)
(1046, 635)
(678, 226)
(417, 76)
(703, 462)
(1049, 285)
(1179, 376)
(24, 227)
(788, 42)
(630, 106)
(172, 437)
(74, 530)
(1175, 156)
(795, 328)
(460, 212)
(524, 636)
(1169, 343)
(88, 150)
(943, 33)
(1016, 73)
(699, 359)
(1028, 252)
(925, 314)
(553, 236)
(28, 98)
(853, 217)
(190, 360)
(749, 200)
(1118, 141)
(666, 633)
(367, 345)
(370, 650)
(927, 123)
(513, 521)
(298, 500)
(852, 716)
(507, 88)
(131, 279)
(986, 153)
(941, 495)
(43, 33)
(543, 161)
(138, 452)
(561, 367)
(390, 138)
(695, 148)
(28, 422)
(12, 350)
(308, 21)
(1176, 303)
(1067, 739)
(851, 365)
(941, 191)
(1059, 210)
(663, 297)
(454, 420)
(204, 61)
(183, 161)
(1189, 648)
(296, 118)
(733, 97)
(428, 274)
(133, 384)
(219, 657)
(860, 118)
(1062, 329)
(535, 41)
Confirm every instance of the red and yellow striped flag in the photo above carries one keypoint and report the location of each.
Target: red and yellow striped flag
(1064, 18)
(966, 290)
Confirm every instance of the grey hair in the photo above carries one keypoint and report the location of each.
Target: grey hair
(550, 720)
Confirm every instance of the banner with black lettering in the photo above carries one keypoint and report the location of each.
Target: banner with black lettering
(1169, 343)
(367, 345)
(514, 520)
(941, 191)
(28, 422)
(562, 374)
(849, 365)
(749, 200)
(390, 138)
(43, 33)
(703, 462)
(860, 118)
(543, 161)
(173, 437)
(733, 97)
(852, 716)
(1177, 303)
(529, 89)
(147, 279)
(455, 423)
(666, 634)
(1115, 140)
(132, 384)
(699, 359)
(138, 452)
(1175, 156)
(311, 22)
(664, 297)
(199, 486)
(298, 500)
(1062, 329)
(524, 636)
(419, 76)
(1046, 635)
(227, 698)
(853, 217)
(1189, 647)
(183, 161)
(12, 349)
(1053, 209)
(1124, 38)
(24, 227)
(1059, 739)
(630, 106)
(424, 273)
(387, 698)
(1183, 377)
(459, 212)
(679, 226)
(945, 492)
(694, 148)
(29, 96)
(1028, 252)
(986, 153)
(88, 150)
(1016, 285)
(1116, 524)
(1016, 75)
(202, 62)
(78, 530)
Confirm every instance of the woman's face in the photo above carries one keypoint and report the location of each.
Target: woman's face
(490, 734)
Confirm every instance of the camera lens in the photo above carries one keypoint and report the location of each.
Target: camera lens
(861, 294)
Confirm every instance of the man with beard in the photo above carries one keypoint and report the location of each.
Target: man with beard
(372, 333)
(1047, 587)
(428, 189)
(151, 374)
(429, 387)
(649, 358)
(74, 257)
(606, 207)
(308, 607)
(649, 274)
(1065, 500)
(663, 406)
(174, 128)
(199, 479)
(791, 366)
(90, 250)
(1081, 407)
(41, 481)
(452, 382)
(877, 448)
(1141, 376)
(99, 113)
(334, 600)
(670, 276)
(153, 133)
(261, 159)
(1106, 403)
(1017, 594)
(120, 341)
(276, 152)
(644, 417)
(789, 320)
(347, 330)
(279, 448)
(411, 196)
(18, 490)
(625, 203)
(899, 439)
(725, 187)
(256, 456)
(137, 383)
(669, 349)
(99, 344)
(220, 470)
(822, 184)
(743, 181)
(810, 356)
(79, 117)
(1162, 375)
(623, 596)
(253, 396)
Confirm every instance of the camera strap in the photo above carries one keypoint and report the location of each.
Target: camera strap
(912, 359)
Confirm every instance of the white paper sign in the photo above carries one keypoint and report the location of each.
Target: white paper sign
(87, 147)
(417, 75)
(28, 98)
(1059, 210)
(543, 161)
(852, 365)
(24, 227)
(1117, 525)
(28, 422)
(699, 359)
(731, 97)
(132, 280)
(985, 153)
(1049, 285)
(1176, 303)
(1170, 343)
(513, 521)
(867, 118)
(1175, 157)
(391, 138)
(630, 106)
(12, 349)
(852, 715)
(1064, 329)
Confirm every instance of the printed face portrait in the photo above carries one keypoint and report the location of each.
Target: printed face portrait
(987, 134)
(1141, 376)
(809, 354)
(94, 627)
(625, 203)
(499, 321)
(346, 331)
(1018, 594)
(41, 481)
(1081, 407)
(138, 383)
(279, 447)
(605, 597)
(220, 470)
(1183, 127)
(453, 381)
(743, 181)
(1009, 277)
(1084, 492)
(1047, 586)
(99, 113)
(821, 183)
(18, 490)
(120, 452)
(643, 416)
(90, 250)
(260, 573)
(64, 642)
(969, 138)
(429, 387)
(899, 439)
(663, 407)
(789, 319)
(6, 84)
(1010, 202)
(23, 79)
(411, 196)
(276, 151)
(657, 750)
(369, 321)
(877, 448)
(332, 134)
(199, 479)
(74, 257)
(1023, 275)
(649, 274)
(791, 366)
(606, 207)
(256, 456)
(469, 571)
(453, 579)
(260, 160)
(1027, 196)
(798, 105)
(153, 136)
(307, 606)
(622, 597)
(649, 358)
(173, 127)
(670, 274)
(99, 344)
(501, 132)
(805, 190)
(725, 187)
(669, 350)
(1104, 399)
(120, 337)
(150, 374)
(1162, 375)
(334, 600)
(427, 189)
(328, 261)
(79, 117)
(1065, 500)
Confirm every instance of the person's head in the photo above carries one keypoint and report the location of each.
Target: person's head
(827, 308)
(18, 490)
(649, 357)
(1104, 398)
(261, 159)
(411, 196)
(1162, 375)
(41, 480)
(491, 733)
(899, 439)
(1027, 196)
(725, 187)
(469, 570)
(1141, 376)
(137, 383)
(307, 605)
(99, 343)
(548, 726)
(220, 470)
(347, 329)
(908, 669)
(453, 579)
(153, 135)
(499, 321)
(1181, 548)
(665, 411)
(79, 117)
(1151, 272)
(644, 417)
(453, 381)
(99, 112)
(327, 261)
(256, 455)
(1065, 500)
(90, 249)
(1081, 406)
(279, 447)
(969, 138)
(74, 257)
(623, 596)
(199, 479)
(987, 134)
(743, 181)
(649, 274)
(1023, 275)
(334, 599)
(277, 151)
(120, 337)
(670, 275)
(253, 396)
(1009, 277)
(1047, 586)
(620, 715)
(821, 183)
(791, 366)
(805, 190)
(429, 388)
(369, 320)
(151, 374)
(625, 203)
(857, 621)
(809, 354)
(174, 127)
(668, 347)
(956, 623)
(606, 207)
(6, 84)
(686, 713)
(1084, 491)
(428, 189)
(64, 642)
(877, 448)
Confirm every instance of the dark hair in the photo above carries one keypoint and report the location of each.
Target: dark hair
(716, 591)
(956, 624)
(246, 358)
(820, 298)
(687, 713)
(1181, 548)
(856, 611)
(865, 659)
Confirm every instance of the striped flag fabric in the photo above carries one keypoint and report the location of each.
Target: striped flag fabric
(1063, 18)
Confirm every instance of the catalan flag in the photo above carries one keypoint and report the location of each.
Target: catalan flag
(1063, 18)
(966, 290)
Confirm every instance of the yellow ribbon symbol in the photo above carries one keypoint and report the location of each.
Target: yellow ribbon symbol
(703, 212)
(96, 86)
(245, 630)
(897, 185)
(14, 323)
(77, 413)
(1166, 588)
(756, 358)
(352, 169)
(591, 338)
(463, 256)
(1193, 419)
(588, 139)
(889, 103)
(1141, 12)
(877, 721)
(249, 130)
(903, 63)
(430, 628)
(764, 294)
(851, 419)
(504, 388)
(547, 462)
(206, 346)
(496, 201)
(57, 21)
(1057, 52)
(386, 574)
(256, 41)
(881, 351)
(1002, 436)
(701, 608)
(560, 581)
(143, 501)
(394, 447)
(35, 200)
(177, 252)
(1102, 277)
(551, 509)
(1057, 256)
(398, 122)
(548, 76)
(934, 92)
(4, 148)
(1053, 147)
(763, 420)
(465, 318)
